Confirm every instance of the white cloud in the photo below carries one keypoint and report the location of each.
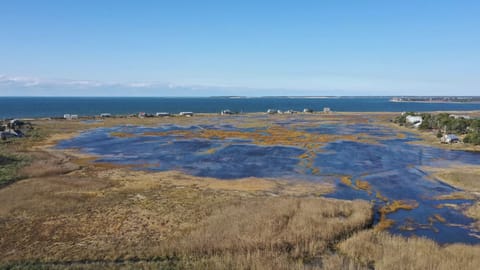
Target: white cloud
(332, 85)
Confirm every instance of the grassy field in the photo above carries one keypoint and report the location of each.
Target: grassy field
(69, 213)
(380, 250)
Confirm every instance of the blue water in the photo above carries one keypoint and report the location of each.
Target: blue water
(11, 107)
(391, 166)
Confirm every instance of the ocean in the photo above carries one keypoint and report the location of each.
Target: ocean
(23, 107)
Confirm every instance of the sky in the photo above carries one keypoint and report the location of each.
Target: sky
(244, 48)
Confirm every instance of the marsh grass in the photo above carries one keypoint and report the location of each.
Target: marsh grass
(363, 185)
(116, 217)
(380, 250)
(346, 180)
(385, 223)
(474, 212)
(463, 177)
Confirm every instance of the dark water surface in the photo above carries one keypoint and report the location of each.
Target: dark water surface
(391, 166)
(85, 106)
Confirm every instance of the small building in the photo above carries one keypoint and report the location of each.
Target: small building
(450, 138)
(70, 116)
(271, 111)
(308, 110)
(162, 114)
(144, 114)
(326, 110)
(186, 114)
(10, 134)
(105, 115)
(416, 121)
(226, 112)
(455, 116)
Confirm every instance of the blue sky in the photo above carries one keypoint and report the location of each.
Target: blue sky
(203, 48)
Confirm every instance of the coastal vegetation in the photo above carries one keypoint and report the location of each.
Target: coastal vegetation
(380, 250)
(446, 123)
(71, 213)
(9, 166)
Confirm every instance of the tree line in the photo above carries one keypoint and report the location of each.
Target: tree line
(445, 123)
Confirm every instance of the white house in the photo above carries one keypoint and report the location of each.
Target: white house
(271, 111)
(416, 121)
(70, 116)
(186, 113)
(450, 138)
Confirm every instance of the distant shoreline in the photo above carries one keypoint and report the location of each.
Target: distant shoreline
(435, 101)
(438, 100)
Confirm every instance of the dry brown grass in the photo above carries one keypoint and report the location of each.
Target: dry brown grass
(297, 226)
(381, 250)
(463, 177)
(46, 164)
(103, 216)
(108, 217)
(474, 212)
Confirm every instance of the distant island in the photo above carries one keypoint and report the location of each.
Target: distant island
(437, 99)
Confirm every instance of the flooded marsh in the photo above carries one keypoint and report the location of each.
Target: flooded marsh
(362, 158)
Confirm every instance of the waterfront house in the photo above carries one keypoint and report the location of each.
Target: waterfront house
(105, 115)
(162, 114)
(144, 114)
(326, 110)
(70, 116)
(186, 114)
(416, 121)
(450, 138)
(308, 110)
(455, 116)
(271, 111)
(226, 112)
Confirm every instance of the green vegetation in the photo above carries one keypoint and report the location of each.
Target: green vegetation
(445, 123)
(9, 166)
(402, 119)
(473, 138)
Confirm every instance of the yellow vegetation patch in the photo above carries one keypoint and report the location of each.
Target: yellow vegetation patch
(384, 224)
(363, 185)
(398, 205)
(394, 206)
(273, 135)
(379, 196)
(346, 180)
